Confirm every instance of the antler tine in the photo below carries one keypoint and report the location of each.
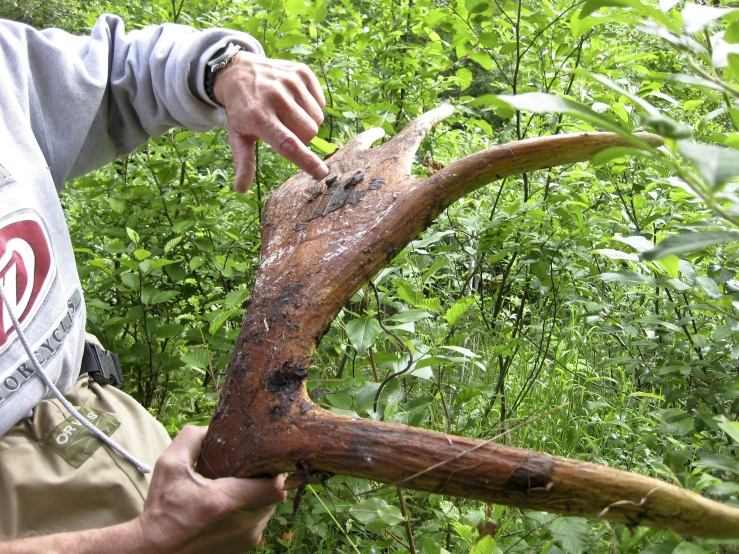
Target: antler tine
(471, 172)
(404, 145)
(364, 140)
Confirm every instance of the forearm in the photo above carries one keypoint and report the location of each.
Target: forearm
(123, 538)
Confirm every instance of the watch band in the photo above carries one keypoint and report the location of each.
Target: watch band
(220, 60)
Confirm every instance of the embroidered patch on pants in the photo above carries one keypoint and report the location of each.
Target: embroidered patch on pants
(76, 443)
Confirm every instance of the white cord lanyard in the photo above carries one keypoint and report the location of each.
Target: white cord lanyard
(142, 467)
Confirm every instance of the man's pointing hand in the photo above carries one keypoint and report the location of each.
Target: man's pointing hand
(278, 101)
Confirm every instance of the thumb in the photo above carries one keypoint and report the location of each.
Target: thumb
(253, 493)
(242, 147)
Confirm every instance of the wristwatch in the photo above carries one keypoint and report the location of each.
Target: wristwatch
(218, 62)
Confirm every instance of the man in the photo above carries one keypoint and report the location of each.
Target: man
(69, 105)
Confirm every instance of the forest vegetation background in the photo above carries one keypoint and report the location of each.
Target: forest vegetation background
(610, 287)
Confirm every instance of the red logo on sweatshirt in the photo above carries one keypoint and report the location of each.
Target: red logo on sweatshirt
(26, 270)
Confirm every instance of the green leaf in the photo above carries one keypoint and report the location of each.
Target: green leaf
(289, 40)
(477, 6)
(594, 5)
(570, 532)
(725, 489)
(501, 108)
(580, 26)
(131, 281)
(709, 286)
(172, 243)
(368, 510)
(141, 254)
(686, 243)
(639, 7)
(324, 146)
(466, 394)
(390, 515)
(453, 314)
(665, 126)
(341, 400)
(407, 293)
(616, 254)
(731, 428)
(717, 461)
(670, 264)
(365, 396)
(236, 298)
(432, 304)
(688, 548)
(197, 358)
(157, 263)
(133, 235)
(99, 304)
(485, 545)
(347, 413)
(717, 164)
(116, 204)
(483, 59)
(409, 316)
(467, 353)
(163, 296)
(169, 330)
(668, 127)
(100, 264)
(464, 77)
(628, 277)
(731, 35)
(297, 7)
(540, 102)
(484, 125)
(222, 318)
(363, 332)
(614, 153)
(694, 81)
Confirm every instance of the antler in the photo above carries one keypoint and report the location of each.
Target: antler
(321, 241)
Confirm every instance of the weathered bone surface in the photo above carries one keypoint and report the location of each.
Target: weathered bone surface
(321, 241)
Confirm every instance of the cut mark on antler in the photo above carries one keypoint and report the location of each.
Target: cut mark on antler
(341, 193)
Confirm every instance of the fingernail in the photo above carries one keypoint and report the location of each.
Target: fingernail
(320, 172)
(240, 185)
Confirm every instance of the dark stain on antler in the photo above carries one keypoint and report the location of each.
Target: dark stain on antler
(533, 474)
(286, 379)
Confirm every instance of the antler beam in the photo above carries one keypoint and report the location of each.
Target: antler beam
(321, 241)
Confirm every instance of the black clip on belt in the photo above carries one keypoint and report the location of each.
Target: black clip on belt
(102, 366)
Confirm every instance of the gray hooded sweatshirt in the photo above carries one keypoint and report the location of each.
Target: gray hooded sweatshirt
(69, 105)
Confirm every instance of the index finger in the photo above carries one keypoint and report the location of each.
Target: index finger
(289, 147)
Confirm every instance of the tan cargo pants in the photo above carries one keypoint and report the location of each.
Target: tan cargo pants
(55, 476)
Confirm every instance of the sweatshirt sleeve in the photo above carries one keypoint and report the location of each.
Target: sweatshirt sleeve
(95, 98)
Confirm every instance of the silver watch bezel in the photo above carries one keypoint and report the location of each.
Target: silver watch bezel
(221, 62)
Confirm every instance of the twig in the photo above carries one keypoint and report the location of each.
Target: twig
(408, 530)
(400, 341)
